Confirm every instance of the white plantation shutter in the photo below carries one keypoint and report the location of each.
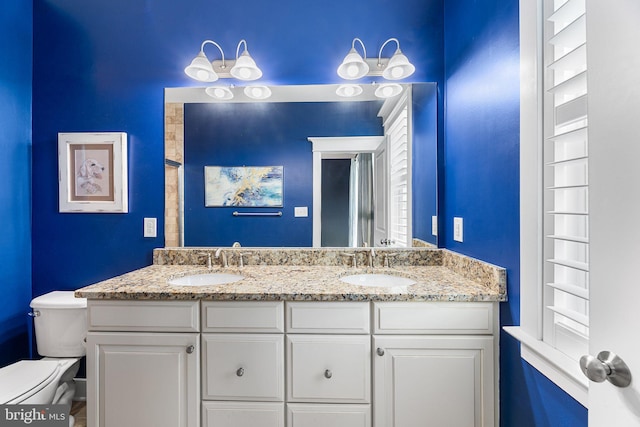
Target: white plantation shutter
(396, 128)
(566, 187)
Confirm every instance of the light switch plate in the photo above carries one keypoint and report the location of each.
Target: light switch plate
(150, 227)
(457, 229)
(301, 211)
(434, 225)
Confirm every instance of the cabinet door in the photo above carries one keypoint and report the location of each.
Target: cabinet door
(143, 379)
(329, 368)
(445, 381)
(243, 367)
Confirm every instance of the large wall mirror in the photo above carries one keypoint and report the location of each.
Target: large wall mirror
(357, 171)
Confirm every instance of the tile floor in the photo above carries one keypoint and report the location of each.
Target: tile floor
(79, 412)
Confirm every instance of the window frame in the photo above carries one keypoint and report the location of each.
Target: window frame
(559, 368)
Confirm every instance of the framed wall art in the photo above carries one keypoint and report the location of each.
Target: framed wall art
(243, 186)
(93, 172)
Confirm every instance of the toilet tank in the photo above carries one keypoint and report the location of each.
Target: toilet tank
(61, 324)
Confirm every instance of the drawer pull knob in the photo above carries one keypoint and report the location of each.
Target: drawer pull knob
(328, 374)
(240, 372)
(190, 349)
(380, 352)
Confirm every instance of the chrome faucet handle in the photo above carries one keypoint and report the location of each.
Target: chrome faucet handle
(221, 253)
(385, 258)
(370, 256)
(240, 261)
(208, 255)
(353, 257)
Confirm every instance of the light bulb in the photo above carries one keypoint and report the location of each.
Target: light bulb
(352, 70)
(387, 91)
(349, 91)
(202, 74)
(219, 92)
(396, 72)
(244, 73)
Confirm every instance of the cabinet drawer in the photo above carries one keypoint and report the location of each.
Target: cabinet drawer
(243, 367)
(324, 368)
(323, 415)
(241, 316)
(143, 316)
(242, 414)
(328, 317)
(433, 318)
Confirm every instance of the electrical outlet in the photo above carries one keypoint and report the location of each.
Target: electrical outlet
(434, 225)
(150, 227)
(457, 229)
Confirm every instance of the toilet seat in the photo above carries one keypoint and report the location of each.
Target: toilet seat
(25, 378)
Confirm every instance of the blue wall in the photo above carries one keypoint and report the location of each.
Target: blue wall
(15, 177)
(101, 66)
(264, 134)
(481, 182)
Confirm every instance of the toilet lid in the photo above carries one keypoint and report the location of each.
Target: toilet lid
(24, 376)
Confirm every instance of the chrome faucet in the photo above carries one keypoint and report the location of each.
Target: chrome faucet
(370, 256)
(221, 253)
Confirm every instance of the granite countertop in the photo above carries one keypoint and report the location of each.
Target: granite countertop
(299, 283)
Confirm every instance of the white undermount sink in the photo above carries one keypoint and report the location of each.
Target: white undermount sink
(207, 279)
(377, 280)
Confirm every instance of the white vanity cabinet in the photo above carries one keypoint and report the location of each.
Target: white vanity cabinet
(143, 364)
(242, 364)
(435, 362)
(293, 364)
(328, 364)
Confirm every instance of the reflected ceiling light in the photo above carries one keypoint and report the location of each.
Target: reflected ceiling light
(222, 93)
(388, 90)
(354, 66)
(398, 66)
(349, 90)
(245, 67)
(242, 68)
(257, 92)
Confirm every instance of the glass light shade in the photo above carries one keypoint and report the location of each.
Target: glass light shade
(349, 90)
(219, 92)
(201, 69)
(388, 90)
(353, 66)
(257, 92)
(245, 68)
(398, 67)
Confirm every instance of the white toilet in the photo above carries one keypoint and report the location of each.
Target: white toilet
(61, 325)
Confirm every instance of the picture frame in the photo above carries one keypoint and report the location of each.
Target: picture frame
(244, 186)
(92, 172)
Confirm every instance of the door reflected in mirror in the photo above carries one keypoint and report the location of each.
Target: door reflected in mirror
(395, 206)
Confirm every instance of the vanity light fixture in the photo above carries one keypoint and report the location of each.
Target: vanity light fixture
(349, 90)
(388, 90)
(242, 68)
(257, 92)
(355, 66)
(398, 66)
(222, 93)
